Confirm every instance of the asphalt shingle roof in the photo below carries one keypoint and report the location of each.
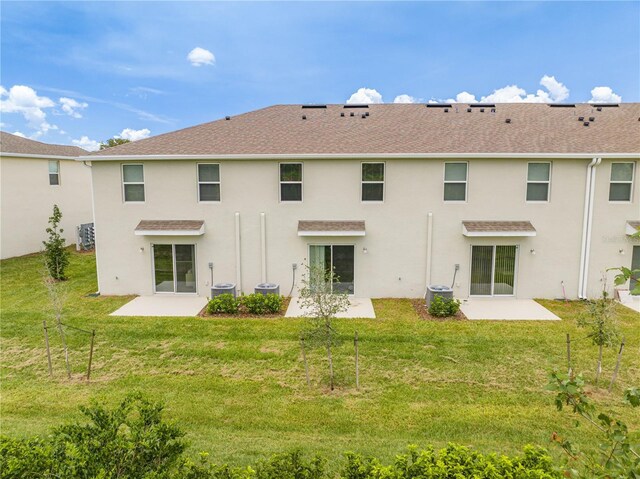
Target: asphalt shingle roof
(336, 225)
(16, 144)
(404, 128)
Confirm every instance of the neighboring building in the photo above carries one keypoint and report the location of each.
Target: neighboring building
(34, 176)
(519, 200)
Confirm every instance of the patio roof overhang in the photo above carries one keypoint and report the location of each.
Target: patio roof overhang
(632, 227)
(498, 228)
(331, 228)
(170, 228)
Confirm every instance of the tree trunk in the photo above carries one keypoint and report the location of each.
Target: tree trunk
(330, 364)
(64, 346)
(599, 364)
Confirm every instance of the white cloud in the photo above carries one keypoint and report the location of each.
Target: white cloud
(25, 101)
(71, 106)
(555, 92)
(134, 135)
(20, 134)
(200, 56)
(87, 144)
(604, 94)
(365, 95)
(404, 98)
(465, 97)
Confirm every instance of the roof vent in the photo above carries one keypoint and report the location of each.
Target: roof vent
(227, 118)
(313, 107)
(352, 114)
(586, 123)
(446, 110)
(356, 106)
(482, 105)
(562, 105)
(364, 115)
(508, 120)
(481, 110)
(468, 110)
(606, 105)
(599, 108)
(493, 110)
(341, 113)
(438, 105)
(304, 117)
(367, 113)
(581, 118)
(592, 118)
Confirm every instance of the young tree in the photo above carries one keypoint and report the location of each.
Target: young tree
(113, 142)
(55, 254)
(320, 300)
(600, 318)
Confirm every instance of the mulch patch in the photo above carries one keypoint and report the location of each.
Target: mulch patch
(285, 304)
(421, 308)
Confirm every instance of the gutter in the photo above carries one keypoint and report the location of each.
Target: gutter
(45, 157)
(358, 156)
(587, 223)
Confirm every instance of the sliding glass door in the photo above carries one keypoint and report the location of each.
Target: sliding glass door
(493, 270)
(174, 268)
(336, 258)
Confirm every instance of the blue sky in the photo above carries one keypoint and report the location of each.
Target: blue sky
(82, 72)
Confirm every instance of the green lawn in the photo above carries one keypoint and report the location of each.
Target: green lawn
(237, 385)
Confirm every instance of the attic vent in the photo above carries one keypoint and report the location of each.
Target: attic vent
(227, 118)
(341, 113)
(314, 107)
(352, 114)
(592, 118)
(438, 105)
(304, 117)
(562, 105)
(606, 105)
(356, 106)
(482, 105)
(468, 110)
(508, 120)
(581, 118)
(586, 123)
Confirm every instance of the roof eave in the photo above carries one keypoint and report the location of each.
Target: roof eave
(340, 156)
(37, 156)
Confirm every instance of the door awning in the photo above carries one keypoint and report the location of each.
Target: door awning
(330, 228)
(170, 228)
(632, 227)
(498, 228)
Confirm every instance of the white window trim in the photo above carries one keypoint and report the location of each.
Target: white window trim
(301, 182)
(384, 182)
(219, 182)
(57, 162)
(516, 270)
(124, 200)
(445, 181)
(548, 183)
(620, 182)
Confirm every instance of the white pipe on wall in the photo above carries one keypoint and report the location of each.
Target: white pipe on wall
(238, 257)
(586, 226)
(429, 249)
(587, 254)
(263, 247)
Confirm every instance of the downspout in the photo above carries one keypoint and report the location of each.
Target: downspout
(263, 247)
(587, 224)
(429, 249)
(238, 258)
(95, 229)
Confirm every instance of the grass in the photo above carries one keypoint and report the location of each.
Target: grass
(237, 385)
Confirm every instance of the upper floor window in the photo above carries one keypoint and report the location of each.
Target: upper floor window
(54, 172)
(372, 182)
(538, 181)
(208, 182)
(290, 181)
(455, 181)
(621, 184)
(133, 183)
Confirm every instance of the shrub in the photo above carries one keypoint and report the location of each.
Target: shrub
(224, 303)
(273, 303)
(254, 303)
(443, 307)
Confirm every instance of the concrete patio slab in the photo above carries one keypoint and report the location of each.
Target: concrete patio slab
(162, 306)
(629, 301)
(358, 308)
(506, 309)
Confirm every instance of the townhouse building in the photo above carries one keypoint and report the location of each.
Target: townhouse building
(495, 200)
(34, 176)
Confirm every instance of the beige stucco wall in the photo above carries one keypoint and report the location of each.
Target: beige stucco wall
(396, 238)
(27, 201)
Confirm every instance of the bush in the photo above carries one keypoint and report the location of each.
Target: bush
(254, 303)
(56, 257)
(443, 307)
(273, 303)
(224, 303)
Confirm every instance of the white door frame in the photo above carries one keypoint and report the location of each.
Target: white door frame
(173, 265)
(309, 245)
